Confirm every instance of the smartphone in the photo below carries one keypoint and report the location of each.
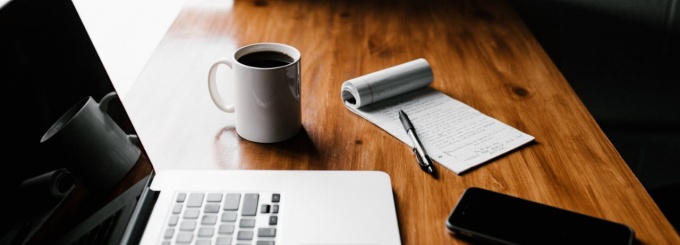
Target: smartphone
(490, 217)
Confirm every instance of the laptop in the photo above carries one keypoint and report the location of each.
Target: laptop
(48, 63)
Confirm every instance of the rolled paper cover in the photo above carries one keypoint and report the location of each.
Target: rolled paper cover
(386, 83)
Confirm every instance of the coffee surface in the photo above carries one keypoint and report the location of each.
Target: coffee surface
(265, 59)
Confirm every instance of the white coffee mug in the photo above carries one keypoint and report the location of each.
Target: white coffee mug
(266, 92)
(95, 149)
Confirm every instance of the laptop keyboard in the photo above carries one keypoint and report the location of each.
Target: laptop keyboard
(223, 219)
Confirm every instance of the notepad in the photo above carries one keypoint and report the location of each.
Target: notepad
(454, 134)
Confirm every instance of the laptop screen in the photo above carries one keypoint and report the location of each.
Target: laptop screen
(71, 150)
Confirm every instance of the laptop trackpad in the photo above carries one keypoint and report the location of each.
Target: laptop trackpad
(354, 209)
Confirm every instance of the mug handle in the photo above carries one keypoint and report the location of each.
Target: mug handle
(104, 102)
(212, 85)
(104, 107)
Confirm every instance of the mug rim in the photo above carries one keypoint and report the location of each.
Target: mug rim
(66, 118)
(267, 46)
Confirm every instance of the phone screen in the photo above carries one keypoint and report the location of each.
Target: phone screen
(498, 218)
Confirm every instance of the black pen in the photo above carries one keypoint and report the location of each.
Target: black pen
(421, 156)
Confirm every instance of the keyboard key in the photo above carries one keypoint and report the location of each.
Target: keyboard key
(247, 223)
(181, 197)
(209, 220)
(169, 233)
(275, 209)
(184, 237)
(265, 243)
(214, 197)
(264, 208)
(231, 201)
(205, 231)
(211, 208)
(226, 229)
(223, 241)
(173, 220)
(266, 232)
(229, 217)
(191, 213)
(195, 200)
(273, 220)
(245, 235)
(203, 242)
(276, 197)
(177, 208)
(187, 225)
(250, 204)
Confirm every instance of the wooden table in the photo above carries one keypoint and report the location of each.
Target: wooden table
(481, 53)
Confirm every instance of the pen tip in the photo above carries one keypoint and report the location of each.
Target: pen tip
(433, 172)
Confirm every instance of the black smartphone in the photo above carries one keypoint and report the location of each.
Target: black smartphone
(490, 217)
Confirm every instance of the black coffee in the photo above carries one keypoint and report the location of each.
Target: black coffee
(265, 59)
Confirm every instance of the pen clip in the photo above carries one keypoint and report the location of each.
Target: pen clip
(418, 158)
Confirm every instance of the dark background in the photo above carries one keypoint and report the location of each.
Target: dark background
(47, 64)
(622, 58)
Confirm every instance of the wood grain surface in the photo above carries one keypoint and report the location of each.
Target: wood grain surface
(481, 53)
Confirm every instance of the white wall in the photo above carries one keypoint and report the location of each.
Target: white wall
(126, 32)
